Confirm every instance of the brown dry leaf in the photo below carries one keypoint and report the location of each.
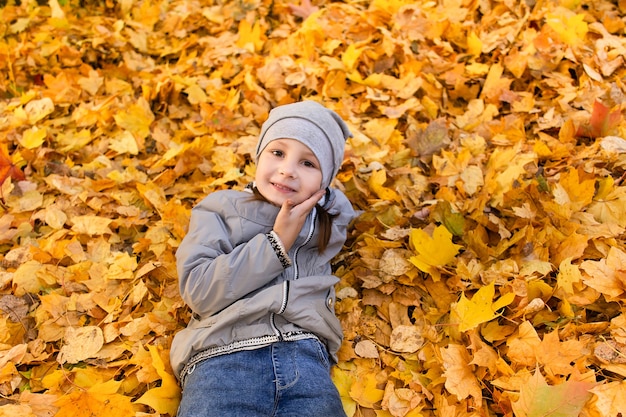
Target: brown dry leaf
(366, 349)
(80, 344)
(607, 275)
(401, 402)
(35, 405)
(609, 399)
(91, 225)
(406, 339)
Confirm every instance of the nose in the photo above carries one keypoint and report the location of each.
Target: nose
(287, 169)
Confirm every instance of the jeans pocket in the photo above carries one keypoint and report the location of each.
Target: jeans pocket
(322, 353)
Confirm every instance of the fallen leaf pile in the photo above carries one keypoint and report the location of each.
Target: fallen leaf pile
(485, 276)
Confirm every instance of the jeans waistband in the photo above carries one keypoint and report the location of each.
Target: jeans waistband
(247, 344)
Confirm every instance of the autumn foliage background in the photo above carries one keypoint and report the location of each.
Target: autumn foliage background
(486, 275)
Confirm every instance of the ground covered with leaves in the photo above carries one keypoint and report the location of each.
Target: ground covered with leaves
(485, 276)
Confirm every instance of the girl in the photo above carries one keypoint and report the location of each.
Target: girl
(255, 270)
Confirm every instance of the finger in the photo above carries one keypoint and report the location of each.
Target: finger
(315, 197)
(287, 206)
(308, 204)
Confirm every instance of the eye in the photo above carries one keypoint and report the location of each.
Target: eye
(278, 153)
(309, 164)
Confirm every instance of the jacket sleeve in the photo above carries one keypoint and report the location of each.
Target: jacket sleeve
(214, 268)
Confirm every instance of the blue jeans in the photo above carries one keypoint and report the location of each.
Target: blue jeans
(285, 379)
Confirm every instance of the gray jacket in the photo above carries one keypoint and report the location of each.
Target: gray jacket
(242, 296)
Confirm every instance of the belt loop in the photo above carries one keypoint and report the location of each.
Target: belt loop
(191, 369)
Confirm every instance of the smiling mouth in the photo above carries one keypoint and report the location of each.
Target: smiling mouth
(283, 188)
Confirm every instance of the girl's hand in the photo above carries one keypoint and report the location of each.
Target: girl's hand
(291, 218)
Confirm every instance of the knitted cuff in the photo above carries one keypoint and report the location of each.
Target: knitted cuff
(278, 247)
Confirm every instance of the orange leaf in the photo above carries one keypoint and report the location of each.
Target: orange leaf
(99, 400)
(460, 379)
(7, 167)
(601, 122)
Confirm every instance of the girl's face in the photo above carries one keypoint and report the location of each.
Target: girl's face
(287, 169)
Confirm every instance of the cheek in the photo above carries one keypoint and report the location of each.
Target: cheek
(261, 168)
(314, 181)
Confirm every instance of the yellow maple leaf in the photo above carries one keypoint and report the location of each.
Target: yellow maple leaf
(92, 83)
(568, 276)
(352, 55)
(146, 373)
(250, 36)
(570, 27)
(163, 399)
(481, 308)
(381, 131)
(90, 376)
(580, 193)
(136, 119)
(147, 13)
(343, 380)
(100, 400)
(494, 331)
(122, 266)
(389, 6)
(196, 94)
(474, 44)
(224, 159)
(432, 252)
(26, 279)
(365, 392)
(504, 168)
(72, 140)
(124, 142)
(376, 181)
(33, 137)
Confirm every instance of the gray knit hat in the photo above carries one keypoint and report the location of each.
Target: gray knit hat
(309, 122)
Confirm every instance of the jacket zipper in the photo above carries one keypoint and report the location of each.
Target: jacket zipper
(296, 275)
